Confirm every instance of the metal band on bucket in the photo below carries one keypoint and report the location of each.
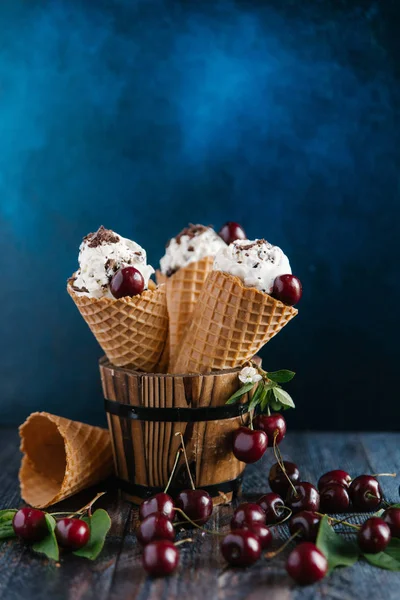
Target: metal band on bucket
(143, 491)
(175, 415)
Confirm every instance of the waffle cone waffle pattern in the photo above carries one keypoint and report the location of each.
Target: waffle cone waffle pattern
(229, 325)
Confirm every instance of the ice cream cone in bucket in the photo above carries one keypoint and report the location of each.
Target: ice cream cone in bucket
(146, 412)
(130, 330)
(60, 458)
(183, 290)
(125, 310)
(229, 325)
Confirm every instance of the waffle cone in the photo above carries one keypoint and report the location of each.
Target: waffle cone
(60, 458)
(229, 325)
(183, 290)
(160, 277)
(131, 331)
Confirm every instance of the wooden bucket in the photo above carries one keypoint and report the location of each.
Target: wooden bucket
(146, 410)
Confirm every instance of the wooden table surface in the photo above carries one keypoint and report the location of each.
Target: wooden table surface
(117, 573)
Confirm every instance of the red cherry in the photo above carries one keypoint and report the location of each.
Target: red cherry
(247, 514)
(155, 527)
(277, 479)
(232, 231)
(273, 425)
(160, 503)
(196, 504)
(337, 477)
(304, 496)
(30, 524)
(287, 289)
(373, 536)
(306, 523)
(273, 507)
(160, 558)
(72, 533)
(306, 564)
(249, 445)
(241, 548)
(334, 498)
(127, 282)
(263, 534)
(391, 516)
(365, 493)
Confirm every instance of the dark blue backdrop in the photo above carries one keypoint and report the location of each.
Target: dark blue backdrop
(144, 115)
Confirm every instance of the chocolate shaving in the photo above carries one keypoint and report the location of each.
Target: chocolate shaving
(101, 236)
(111, 265)
(71, 282)
(190, 231)
(170, 272)
(252, 245)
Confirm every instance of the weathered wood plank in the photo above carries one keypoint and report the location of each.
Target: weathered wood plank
(118, 575)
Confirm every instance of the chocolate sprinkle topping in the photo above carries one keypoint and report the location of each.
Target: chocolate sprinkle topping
(256, 243)
(101, 236)
(71, 282)
(191, 232)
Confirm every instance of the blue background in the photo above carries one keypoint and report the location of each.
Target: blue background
(143, 116)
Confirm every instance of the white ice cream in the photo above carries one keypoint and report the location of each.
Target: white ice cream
(257, 263)
(101, 254)
(192, 244)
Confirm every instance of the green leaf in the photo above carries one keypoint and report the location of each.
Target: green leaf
(274, 404)
(48, 545)
(240, 392)
(283, 397)
(6, 528)
(6, 531)
(256, 396)
(7, 514)
(99, 524)
(338, 550)
(282, 376)
(389, 559)
(264, 400)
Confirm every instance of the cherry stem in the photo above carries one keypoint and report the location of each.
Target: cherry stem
(87, 508)
(290, 512)
(186, 460)
(273, 554)
(339, 521)
(187, 540)
(173, 470)
(384, 475)
(268, 410)
(369, 495)
(278, 457)
(211, 531)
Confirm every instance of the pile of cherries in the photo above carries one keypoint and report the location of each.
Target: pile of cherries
(156, 532)
(250, 527)
(30, 525)
(306, 564)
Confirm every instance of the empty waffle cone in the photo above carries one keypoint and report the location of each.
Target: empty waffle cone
(61, 458)
(229, 325)
(183, 290)
(131, 331)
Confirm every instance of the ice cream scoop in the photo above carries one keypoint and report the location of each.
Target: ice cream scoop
(257, 263)
(192, 244)
(101, 255)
